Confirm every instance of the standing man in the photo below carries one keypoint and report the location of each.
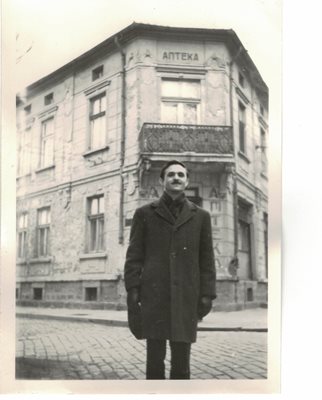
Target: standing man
(169, 274)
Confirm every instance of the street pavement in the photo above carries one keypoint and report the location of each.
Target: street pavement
(246, 320)
(69, 349)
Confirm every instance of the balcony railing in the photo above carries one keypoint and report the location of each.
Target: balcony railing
(177, 138)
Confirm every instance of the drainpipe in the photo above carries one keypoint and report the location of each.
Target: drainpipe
(122, 153)
(234, 262)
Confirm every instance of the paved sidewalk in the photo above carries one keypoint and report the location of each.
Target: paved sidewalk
(245, 320)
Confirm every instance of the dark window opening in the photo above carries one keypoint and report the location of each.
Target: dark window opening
(17, 293)
(97, 73)
(38, 293)
(266, 243)
(250, 294)
(91, 294)
(27, 109)
(193, 195)
(241, 80)
(261, 108)
(49, 99)
(242, 128)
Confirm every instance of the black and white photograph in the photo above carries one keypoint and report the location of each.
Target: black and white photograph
(147, 196)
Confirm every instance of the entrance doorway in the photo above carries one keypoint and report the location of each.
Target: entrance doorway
(244, 241)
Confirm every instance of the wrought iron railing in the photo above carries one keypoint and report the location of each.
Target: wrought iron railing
(179, 138)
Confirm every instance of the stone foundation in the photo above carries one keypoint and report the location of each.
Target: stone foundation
(231, 295)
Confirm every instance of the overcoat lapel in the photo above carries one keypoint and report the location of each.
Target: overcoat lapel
(163, 211)
(188, 211)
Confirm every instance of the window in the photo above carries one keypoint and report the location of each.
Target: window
(250, 294)
(38, 293)
(261, 110)
(241, 80)
(43, 232)
(180, 101)
(91, 294)
(263, 150)
(27, 109)
(24, 152)
(96, 224)
(47, 143)
(245, 216)
(22, 235)
(242, 127)
(265, 220)
(97, 119)
(97, 73)
(49, 99)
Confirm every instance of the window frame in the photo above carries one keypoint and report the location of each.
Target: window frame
(241, 80)
(265, 237)
(263, 145)
(94, 117)
(95, 244)
(22, 235)
(97, 72)
(49, 99)
(28, 109)
(242, 128)
(44, 139)
(180, 101)
(43, 249)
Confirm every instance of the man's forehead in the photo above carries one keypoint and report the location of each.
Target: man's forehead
(175, 168)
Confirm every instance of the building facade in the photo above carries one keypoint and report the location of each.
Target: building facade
(92, 137)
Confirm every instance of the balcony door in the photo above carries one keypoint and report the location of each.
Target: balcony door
(180, 102)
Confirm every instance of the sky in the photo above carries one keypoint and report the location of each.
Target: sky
(60, 30)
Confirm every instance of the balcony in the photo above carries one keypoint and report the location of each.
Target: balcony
(193, 142)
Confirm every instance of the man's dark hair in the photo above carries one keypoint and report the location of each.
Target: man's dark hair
(168, 164)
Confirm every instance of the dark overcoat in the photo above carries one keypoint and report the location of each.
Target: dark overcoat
(172, 263)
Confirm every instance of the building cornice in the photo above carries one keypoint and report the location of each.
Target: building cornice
(251, 186)
(136, 30)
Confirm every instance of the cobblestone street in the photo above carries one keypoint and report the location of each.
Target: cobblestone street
(50, 349)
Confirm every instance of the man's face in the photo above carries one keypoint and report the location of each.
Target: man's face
(175, 179)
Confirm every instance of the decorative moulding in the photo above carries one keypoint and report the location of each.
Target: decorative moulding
(97, 86)
(242, 95)
(47, 112)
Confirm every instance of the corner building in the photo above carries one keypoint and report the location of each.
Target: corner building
(92, 137)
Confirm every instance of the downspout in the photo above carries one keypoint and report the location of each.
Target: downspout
(234, 262)
(122, 152)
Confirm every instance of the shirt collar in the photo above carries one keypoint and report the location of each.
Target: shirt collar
(169, 201)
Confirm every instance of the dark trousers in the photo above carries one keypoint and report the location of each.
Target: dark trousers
(180, 359)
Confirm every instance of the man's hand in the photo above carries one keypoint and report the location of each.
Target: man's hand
(204, 306)
(133, 298)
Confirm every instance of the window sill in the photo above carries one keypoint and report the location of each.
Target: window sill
(21, 261)
(88, 256)
(244, 157)
(27, 175)
(242, 95)
(262, 121)
(41, 260)
(48, 109)
(97, 85)
(42, 169)
(95, 151)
